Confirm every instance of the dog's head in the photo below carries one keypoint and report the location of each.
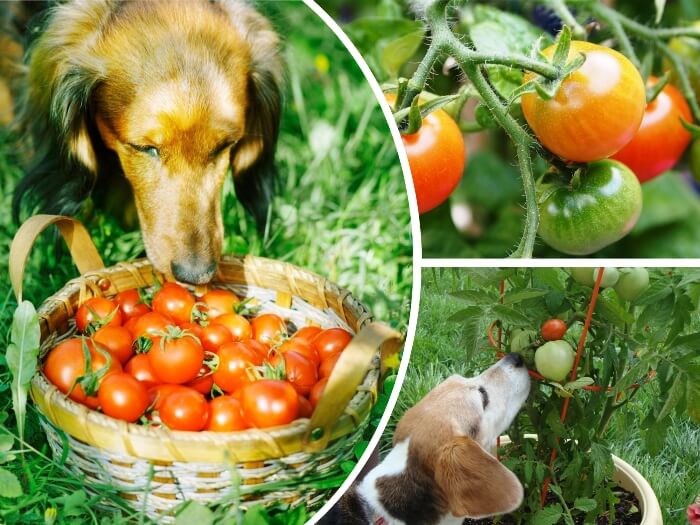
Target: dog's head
(441, 463)
(179, 94)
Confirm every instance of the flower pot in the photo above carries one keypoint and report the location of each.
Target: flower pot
(629, 479)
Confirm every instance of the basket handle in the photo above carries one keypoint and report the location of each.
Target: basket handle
(80, 245)
(347, 375)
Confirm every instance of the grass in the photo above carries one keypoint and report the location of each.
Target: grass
(341, 211)
(437, 353)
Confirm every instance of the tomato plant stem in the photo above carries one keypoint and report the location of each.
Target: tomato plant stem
(563, 12)
(610, 17)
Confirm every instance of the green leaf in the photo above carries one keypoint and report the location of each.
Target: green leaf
(561, 53)
(579, 383)
(660, 6)
(657, 291)
(585, 504)
(466, 314)
(473, 297)
(73, 504)
(609, 307)
(484, 117)
(6, 442)
(22, 355)
(633, 375)
(489, 182)
(550, 277)
(510, 315)
(522, 295)
(399, 51)
(675, 394)
(693, 399)
(603, 466)
(10, 486)
(550, 515)
(194, 512)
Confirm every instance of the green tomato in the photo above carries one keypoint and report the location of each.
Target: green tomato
(610, 277)
(521, 339)
(632, 283)
(591, 212)
(554, 360)
(695, 160)
(689, 50)
(582, 276)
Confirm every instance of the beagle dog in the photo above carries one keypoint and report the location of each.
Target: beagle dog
(442, 468)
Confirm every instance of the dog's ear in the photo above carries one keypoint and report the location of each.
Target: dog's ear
(475, 484)
(252, 160)
(62, 74)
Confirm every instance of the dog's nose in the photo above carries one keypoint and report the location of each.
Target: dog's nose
(515, 359)
(194, 270)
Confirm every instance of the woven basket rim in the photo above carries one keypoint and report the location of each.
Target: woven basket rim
(93, 284)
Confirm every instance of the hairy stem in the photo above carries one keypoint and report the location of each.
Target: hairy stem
(563, 12)
(611, 18)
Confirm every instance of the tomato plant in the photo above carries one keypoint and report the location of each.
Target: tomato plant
(596, 111)
(597, 208)
(436, 155)
(661, 139)
(269, 403)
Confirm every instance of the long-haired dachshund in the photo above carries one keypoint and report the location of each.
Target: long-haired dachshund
(169, 95)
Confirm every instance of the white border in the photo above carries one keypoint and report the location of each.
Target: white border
(417, 255)
(559, 263)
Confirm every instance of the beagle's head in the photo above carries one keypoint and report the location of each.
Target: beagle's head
(441, 466)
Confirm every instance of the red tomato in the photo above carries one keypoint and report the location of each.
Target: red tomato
(123, 397)
(236, 324)
(151, 325)
(195, 329)
(661, 139)
(317, 392)
(130, 304)
(553, 330)
(299, 370)
(260, 348)
(215, 335)
(305, 407)
(331, 341)
(596, 111)
(269, 403)
(234, 361)
(307, 333)
(176, 359)
(174, 301)
(116, 340)
(139, 366)
(66, 363)
(158, 393)
(203, 382)
(268, 328)
(301, 346)
(436, 155)
(184, 409)
(219, 302)
(96, 311)
(225, 415)
(327, 365)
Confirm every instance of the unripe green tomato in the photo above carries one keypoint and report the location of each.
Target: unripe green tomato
(554, 360)
(689, 50)
(610, 277)
(632, 282)
(521, 339)
(582, 276)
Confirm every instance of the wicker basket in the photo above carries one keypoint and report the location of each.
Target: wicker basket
(156, 468)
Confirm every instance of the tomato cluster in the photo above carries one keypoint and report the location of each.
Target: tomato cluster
(193, 363)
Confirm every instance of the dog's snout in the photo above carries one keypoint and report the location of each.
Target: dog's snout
(194, 271)
(515, 359)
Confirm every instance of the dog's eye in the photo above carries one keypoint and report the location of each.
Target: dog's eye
(151, 151)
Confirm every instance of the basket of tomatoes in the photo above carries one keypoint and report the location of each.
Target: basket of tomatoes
(257, 385)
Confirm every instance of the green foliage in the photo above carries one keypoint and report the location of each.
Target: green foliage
(643, 418)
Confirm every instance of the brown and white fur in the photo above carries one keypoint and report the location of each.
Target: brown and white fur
(442, 469)
(165, 95)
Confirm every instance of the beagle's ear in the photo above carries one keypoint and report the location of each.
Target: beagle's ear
(252, 160)
(475, 484)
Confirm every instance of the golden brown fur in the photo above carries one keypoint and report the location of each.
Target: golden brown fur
(169, 94)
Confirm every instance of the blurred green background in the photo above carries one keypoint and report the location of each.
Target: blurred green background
(338, 167)
(393, 43)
